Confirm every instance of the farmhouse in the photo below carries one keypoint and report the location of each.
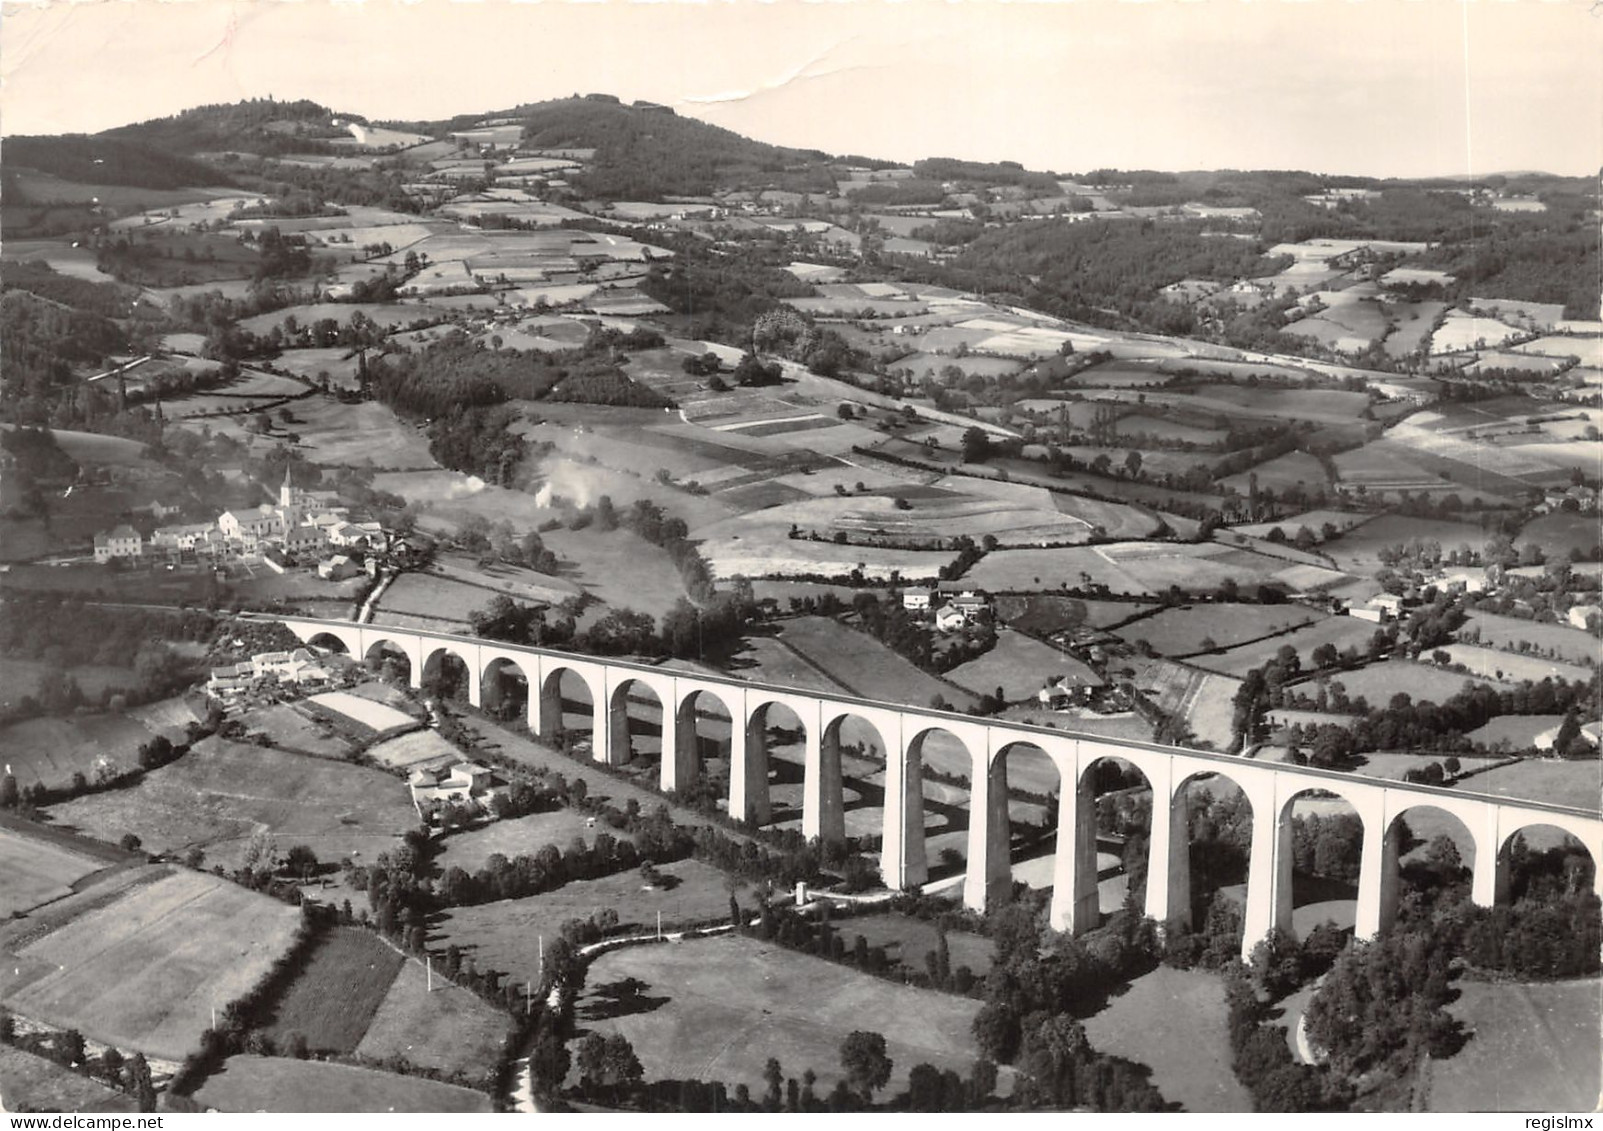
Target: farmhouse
(1071, 690)
(192, 537)
(337, 568)
(1547, 739)
(119, 542)
(466, 783)
(299, 666)
(949, 618)
(1471, 580)
(916, 600)
(305, 539)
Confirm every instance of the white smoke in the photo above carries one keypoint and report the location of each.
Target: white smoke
(571, 484)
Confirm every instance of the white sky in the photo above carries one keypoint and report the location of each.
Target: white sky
(1381, 87)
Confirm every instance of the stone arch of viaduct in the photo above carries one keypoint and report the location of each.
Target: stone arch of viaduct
(1270, 789)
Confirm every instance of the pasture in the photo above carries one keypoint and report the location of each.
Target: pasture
(1043, 614)
(145, 970)
(1561, 532)
(1343, 632)
(906, 940)
(413, 751)
(1294, 469)
(1424, 683)
(1018, 664)
(1532, 1047)
(1561, 783)
(1492, 664)
(1202, 698)
(50, 750)
(1358, 551)
(1513, 732)
(1190, 628)
(291, 729)
(221, 793)
(505, 935)
(333, 999)
(520, 836)
(449, 1029)
(719, 1008)
(1173, 1021)
(38, 870)
(278, 1084)
(863, 665)
(360, 712)
(1071, 567)
(35, 1083)
(1571, 645)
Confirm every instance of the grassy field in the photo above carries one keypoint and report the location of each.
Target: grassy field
(1379, 682)
(333, 1000)
(718, 1008)
(863, 665)
(1557, 640)
(1203, 699)
(520, 836)
(505, 935)
(255, 1083)
(1561, 783)
(450, 1029)
(1044, 614)
(1359, 550)
(1491, 664)
(221, 793)
(1182, 631)
(1560, 532)
(144, 971)
(1174, 1022)
(33, 1083)
(37, 871)
(1532, 1048)
(292, 730)
(908, 940)
(1019, 665)
(51, 750)
(410, 751)
(1518, 731)
(1343, 632)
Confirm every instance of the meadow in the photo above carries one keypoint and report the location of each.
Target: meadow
(1532, 1047)
(506, 935)
(1187, 629)
(1560, 783)
(144, 971)
(719, 1008)
(448, 1028)
(1343, 632)
(1492, 664)
(34, 1083)
(520, 836)
(1557, 640)
(1174, 1022)
(1379, 682)
(50, 750)
(1018, 664)
(221, 793)
(863, 665)
(276, 1084)
(38, 870)
(333, 999)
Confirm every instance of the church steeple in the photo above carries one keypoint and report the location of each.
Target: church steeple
(286, 493)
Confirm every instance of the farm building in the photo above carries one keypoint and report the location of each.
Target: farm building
(1072, 690)
(305, 539)
(916, 600)
(1470, 580)
(1580, 616)
(337, 568)
(193, 537)
(466, 783)
(119, 542)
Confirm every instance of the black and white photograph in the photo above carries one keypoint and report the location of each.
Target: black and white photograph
(792, 557)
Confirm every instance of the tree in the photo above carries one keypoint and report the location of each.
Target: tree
(976, 445)
(867, 1067)
(130, 842)
(774, 1077)
(8, 791)
(70, 1047)
(143, 1088)
(302, 861)
(1132, 463)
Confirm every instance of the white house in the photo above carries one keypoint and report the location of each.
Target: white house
(119, 542)
(916, 600)
(949, 618)
(305, 539)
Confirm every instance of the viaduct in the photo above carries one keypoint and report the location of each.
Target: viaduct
(1270, 788)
